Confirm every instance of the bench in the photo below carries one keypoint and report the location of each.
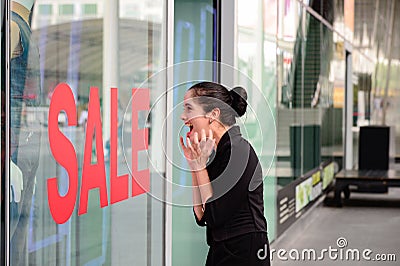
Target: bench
(344, 178)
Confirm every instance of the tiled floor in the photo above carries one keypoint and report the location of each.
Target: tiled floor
(366, 221)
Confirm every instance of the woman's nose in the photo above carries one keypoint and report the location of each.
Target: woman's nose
(183, 117)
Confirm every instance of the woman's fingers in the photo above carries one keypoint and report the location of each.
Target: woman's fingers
(203, 135)
(196, 144)
(182, 143)
(211, 138)
(199, 150)
(204, 146)
(190, 146)
(196, 138)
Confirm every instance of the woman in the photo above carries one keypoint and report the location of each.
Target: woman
(226, 176)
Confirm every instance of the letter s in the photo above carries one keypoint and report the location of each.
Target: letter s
(61, 207)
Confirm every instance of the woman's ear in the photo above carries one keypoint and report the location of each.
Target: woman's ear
(215, 113)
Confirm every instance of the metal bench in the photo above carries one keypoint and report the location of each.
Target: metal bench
(345, 178)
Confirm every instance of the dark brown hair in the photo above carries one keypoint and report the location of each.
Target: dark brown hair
(231, 103)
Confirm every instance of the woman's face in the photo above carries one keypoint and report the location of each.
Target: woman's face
(194, 116)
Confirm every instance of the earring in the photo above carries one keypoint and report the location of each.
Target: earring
(210, 121)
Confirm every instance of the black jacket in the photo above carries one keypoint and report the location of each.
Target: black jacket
(236, 206)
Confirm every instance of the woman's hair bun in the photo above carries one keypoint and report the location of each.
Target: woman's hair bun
(239, 100)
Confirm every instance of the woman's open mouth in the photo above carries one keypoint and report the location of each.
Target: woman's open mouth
(190, 125)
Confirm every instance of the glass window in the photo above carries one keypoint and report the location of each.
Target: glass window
(66, 9)
(72, 135)
(45, 9)
(193, 40)
(90, 9)
(378, 60)
(256, 59)
(311, 71)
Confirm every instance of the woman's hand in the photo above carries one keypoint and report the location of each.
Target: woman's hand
(197, 153)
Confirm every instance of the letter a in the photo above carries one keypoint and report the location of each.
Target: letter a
(93, 176)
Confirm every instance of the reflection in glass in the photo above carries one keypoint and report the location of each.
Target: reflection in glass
(68, 36)
(310, 74)
(25, 133)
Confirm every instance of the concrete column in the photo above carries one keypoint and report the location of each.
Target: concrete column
(348, 113)
(110, 60)
(228, 42)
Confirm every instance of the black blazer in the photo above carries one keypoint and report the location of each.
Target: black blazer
(237, 205)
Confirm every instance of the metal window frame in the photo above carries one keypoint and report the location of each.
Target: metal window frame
(5, 182)
(169, 34)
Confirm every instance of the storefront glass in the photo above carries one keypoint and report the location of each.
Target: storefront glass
(61, 79)
(256, 59)
(376, 68)
(311, 73)
(75, 143)
(194, 40)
